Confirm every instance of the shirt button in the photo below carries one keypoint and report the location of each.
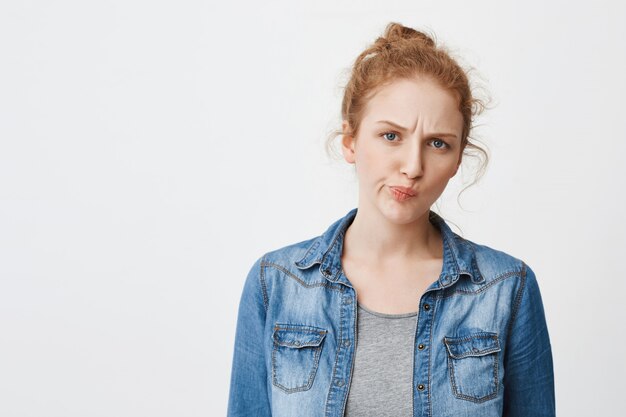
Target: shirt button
(346, 342)
(347, 300)
(339, 382)
(327, 272)
(427, 307)
(420, 387)
(420, 346)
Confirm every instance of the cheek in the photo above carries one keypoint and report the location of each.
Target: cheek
(368, 161)
(445, 166)
(439, 173)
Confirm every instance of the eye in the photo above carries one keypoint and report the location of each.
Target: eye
(391, 137)
(439, 144)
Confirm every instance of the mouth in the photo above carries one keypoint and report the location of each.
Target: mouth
(402, 193)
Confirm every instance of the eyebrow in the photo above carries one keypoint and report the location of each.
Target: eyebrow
(397, 126)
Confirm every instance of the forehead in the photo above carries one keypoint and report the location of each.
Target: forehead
(407, 101)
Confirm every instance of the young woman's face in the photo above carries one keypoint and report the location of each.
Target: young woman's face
(410, 136)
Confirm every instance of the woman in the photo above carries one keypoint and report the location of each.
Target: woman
(389, 312)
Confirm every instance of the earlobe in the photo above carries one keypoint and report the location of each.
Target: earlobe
(347, 144)
(347, 147)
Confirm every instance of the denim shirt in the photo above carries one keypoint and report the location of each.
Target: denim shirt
(481, 343)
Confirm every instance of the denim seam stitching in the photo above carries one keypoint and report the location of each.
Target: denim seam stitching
(518, 299)
(330, 247)
(456, 263)
(467, 397)
(455, 340)
(352, 357)
(430, 344)
(317, 352)
(263, 284)
(332, 380)
(491, 283)
(298, 279)
(311, 249)
(474, 265)
(299, 326)
(307, 386)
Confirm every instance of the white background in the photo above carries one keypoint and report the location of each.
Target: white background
(150, 151)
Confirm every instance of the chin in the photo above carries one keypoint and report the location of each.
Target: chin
(402, 213)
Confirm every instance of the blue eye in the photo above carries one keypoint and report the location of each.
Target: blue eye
(439, 144)
(388, 133)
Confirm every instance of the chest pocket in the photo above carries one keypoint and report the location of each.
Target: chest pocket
(473, 365)
(296, 354)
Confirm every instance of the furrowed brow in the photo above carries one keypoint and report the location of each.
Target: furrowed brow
(397, 126)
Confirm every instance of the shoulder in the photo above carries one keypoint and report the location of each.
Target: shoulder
(290, 253)
(496, 264)
(507, 272)
(288, 259)
(278, 259)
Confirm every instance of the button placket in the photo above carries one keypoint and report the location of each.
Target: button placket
(344, 361)
(421, 377)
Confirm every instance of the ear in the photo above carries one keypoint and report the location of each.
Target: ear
(347, 143)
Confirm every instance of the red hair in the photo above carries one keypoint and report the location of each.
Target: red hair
(403, 52)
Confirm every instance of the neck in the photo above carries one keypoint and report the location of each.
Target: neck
(372, 237)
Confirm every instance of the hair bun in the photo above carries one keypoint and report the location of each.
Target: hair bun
(395, 32)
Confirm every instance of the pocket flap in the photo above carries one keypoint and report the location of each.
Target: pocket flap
(477, 344)
(298, 335)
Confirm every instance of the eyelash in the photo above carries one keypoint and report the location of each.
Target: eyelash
(447, 146)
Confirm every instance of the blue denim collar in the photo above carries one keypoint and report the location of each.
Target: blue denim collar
(458, 255)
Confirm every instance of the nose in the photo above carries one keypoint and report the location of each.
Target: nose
(412, 164)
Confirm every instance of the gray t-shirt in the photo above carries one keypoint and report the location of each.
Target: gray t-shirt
(382, 377)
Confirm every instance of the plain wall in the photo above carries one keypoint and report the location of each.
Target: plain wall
(150, 151)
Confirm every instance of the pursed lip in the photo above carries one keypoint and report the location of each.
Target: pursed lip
(404, 190)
